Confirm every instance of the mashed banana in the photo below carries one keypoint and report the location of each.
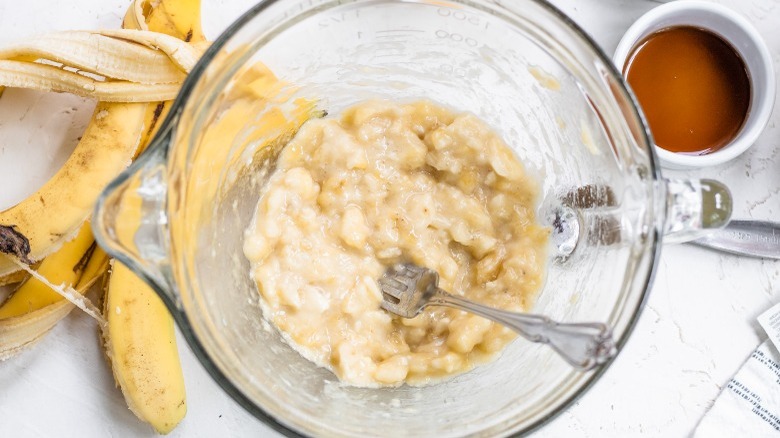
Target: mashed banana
(385, 184)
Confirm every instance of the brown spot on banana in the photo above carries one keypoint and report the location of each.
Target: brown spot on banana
(14, 243)
(82, 263)
(155, 118)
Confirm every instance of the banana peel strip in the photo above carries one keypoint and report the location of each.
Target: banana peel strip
(70, 294)
(42, 77)
(181, 53)
(73, 62)
(99, 54)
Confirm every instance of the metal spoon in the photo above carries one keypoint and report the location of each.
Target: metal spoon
(745, 237)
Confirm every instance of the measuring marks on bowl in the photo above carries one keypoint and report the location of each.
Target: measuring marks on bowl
(457, 57)
(439, 29)
(465, 21)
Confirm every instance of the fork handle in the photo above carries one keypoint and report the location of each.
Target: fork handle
(583, 345)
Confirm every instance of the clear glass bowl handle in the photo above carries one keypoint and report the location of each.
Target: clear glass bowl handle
(690, 209)
(130, 220)
(694, 208)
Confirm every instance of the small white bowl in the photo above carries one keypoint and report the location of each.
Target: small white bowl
(743, 37)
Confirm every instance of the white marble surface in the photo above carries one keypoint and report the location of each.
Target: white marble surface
(698, 326)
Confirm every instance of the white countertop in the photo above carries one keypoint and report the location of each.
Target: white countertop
(697, 328)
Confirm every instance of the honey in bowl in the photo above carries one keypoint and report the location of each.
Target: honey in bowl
(693, 88)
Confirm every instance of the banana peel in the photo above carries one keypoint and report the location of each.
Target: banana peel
(41, 223)
(13, 278)
(42, 77)
(140, 344)
(113, 135)
(51, 217)
(177, 18)
(121, 65)
(63, 267)
(34, 308)
(26, 329)
(119, 54)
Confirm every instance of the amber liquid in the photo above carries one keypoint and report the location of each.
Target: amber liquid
(693, 88)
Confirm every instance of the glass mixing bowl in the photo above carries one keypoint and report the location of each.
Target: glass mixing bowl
(177, 215)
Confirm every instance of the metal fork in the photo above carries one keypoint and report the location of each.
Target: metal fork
(407, 289)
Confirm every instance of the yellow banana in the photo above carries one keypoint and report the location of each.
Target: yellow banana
(138, 331)
(119, 66)
(140, 343)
